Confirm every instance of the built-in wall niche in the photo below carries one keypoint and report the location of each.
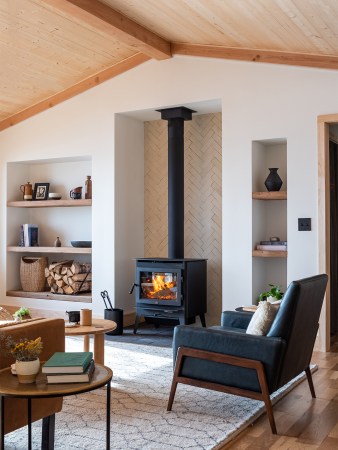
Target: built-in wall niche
(68, 219)
(269, 215)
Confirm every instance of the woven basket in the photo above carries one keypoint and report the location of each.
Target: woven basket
(32, 273)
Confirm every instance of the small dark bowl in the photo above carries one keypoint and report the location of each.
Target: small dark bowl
(73, 316)
(81, 244)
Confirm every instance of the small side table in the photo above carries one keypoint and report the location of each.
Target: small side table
(250, 309)
(10, 387)
(98, 328)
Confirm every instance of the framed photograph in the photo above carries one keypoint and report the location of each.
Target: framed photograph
(40, 191)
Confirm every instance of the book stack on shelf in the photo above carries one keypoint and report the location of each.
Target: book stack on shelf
(29, 235)
(273, 245)
(69, 367)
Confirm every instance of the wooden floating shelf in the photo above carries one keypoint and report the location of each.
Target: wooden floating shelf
(270, 253)
(273, 195)
(49, 203)
(46, 295)
(69, 250)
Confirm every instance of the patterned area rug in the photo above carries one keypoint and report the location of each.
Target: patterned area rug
(200, 419)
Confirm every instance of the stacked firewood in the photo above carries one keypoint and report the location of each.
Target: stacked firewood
(69, 277)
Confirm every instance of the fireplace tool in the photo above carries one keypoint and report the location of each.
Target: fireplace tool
(114, 314)
(105, 296)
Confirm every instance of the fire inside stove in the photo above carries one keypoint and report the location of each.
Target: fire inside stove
(159, 285)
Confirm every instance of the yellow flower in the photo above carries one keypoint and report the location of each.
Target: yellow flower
(25, 350)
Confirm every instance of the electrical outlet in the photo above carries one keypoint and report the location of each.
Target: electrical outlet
(304, 224)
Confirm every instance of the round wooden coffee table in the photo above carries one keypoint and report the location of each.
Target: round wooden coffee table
(97, 329)
(10, 387)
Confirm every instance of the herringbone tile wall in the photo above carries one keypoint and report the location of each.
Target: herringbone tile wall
(202, 197)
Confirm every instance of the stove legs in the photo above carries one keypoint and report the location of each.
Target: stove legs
(202, 317)
(180, 317)
(137, 321)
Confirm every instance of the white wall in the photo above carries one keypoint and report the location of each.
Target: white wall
(129, 204)
(258, 102)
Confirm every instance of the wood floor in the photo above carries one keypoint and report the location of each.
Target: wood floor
(302, 422)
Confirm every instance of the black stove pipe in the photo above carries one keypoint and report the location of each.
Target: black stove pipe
(176, 117)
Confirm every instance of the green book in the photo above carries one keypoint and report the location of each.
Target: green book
(84, 377)
(68, 362)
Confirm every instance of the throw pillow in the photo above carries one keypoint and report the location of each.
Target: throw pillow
(262, 319)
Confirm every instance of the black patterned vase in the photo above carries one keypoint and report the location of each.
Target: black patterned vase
(273, 181)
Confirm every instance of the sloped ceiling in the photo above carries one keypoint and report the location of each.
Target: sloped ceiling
(51, 50)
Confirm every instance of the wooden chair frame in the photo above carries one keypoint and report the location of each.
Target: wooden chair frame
(233, 361)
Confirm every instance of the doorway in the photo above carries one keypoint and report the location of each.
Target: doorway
(333, 164)
(325, 228)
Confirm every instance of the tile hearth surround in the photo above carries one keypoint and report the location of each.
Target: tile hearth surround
(202, 197)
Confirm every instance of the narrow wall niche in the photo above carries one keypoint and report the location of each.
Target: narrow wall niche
(269, 216)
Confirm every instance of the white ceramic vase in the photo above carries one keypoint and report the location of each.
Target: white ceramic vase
(27, 370)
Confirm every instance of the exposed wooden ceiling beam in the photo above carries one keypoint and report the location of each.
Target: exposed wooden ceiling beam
(78, 88)
(104, 19)
(264, 56)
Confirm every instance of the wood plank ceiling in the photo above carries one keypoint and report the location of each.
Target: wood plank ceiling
(51, 50)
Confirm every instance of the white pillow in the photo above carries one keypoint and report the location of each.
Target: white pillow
(262, 319)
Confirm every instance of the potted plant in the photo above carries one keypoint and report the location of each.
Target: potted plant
(273, 295)
(22, 314)
(26, 353)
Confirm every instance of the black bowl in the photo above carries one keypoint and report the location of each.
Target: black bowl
(81, 244)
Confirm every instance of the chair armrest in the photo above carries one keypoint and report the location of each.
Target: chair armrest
(251, 346)
(268, 350)
(236, 319)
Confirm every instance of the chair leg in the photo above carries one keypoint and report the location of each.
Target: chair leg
(225, 359)
(269, 411)
(310, 381)
(48, 432)
(266, 397)
(172, 394)
(174, 383)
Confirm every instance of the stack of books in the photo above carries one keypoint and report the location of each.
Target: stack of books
(29, 235)
(273, 245)
(69, 367)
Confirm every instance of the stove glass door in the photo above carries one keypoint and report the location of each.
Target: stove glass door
(160, 287)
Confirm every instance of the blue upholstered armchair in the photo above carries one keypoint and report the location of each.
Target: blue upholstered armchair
(226, 359)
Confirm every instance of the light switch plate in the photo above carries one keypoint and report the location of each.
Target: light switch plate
(304, 224)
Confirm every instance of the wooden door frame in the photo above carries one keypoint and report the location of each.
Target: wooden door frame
(323, 122)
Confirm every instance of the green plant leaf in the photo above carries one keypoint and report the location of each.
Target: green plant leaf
(22, 312)
(274, 292)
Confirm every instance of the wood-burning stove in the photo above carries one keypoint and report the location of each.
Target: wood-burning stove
(171, 289)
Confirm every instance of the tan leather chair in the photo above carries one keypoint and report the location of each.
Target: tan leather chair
(52, 333)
